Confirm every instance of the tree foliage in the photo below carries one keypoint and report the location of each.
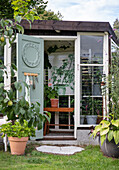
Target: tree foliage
(50, 15)
(6, 10)
(36, 7)
(116, 27)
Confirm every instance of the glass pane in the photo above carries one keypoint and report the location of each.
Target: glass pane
(91, 106)
(13, 53)
(91, 49)
(91, 80)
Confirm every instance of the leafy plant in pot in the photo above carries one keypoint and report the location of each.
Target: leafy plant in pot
(109, 136)
(92, 108)
(17, 135)
(51, 95)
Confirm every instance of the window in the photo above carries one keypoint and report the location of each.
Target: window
(91, 71)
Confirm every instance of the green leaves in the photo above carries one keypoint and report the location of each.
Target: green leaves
(17, 130)
(18, 86)
(108, 128)
(20, 28)
(115, 122)
(104, 131)
(102, 139)
(18, 18)
(30, 17)
(116, 136)
(110, 135)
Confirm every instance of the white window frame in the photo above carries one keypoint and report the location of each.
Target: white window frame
(78, 82)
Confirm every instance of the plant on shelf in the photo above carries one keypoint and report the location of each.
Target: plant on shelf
(50, 94)
(92, 109)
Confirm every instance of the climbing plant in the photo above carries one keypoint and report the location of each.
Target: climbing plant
(65, 73)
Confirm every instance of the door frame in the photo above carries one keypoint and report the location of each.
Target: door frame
(67, 38)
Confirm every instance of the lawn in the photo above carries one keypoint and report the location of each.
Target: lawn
(89, 159)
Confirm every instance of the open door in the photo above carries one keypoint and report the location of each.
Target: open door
(30, 59)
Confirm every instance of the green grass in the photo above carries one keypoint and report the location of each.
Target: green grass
(89, 159)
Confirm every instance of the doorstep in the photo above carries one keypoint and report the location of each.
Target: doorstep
(55, 142)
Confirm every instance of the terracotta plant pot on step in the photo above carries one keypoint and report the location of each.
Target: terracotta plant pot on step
(17, 145)
(54, 102)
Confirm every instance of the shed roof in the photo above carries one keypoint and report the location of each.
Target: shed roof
(69, 26)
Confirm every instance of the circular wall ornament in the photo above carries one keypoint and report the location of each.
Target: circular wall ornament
(31, 55)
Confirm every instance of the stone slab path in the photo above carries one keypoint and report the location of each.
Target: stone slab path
(63, 150)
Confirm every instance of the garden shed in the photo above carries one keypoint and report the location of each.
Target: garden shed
(71, 56)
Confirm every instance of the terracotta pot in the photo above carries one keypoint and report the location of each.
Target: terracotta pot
(54, 102)
(17, 145)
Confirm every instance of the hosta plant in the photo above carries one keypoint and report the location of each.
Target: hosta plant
(108, 129)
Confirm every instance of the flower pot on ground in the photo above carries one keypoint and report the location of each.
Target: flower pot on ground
(17, 145)
(18, 136)
(109, 148)
(109, 136)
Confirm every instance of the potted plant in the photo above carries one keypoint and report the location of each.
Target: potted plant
(18, 135)
(109, 136)
(51, 95)
(93, 109)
